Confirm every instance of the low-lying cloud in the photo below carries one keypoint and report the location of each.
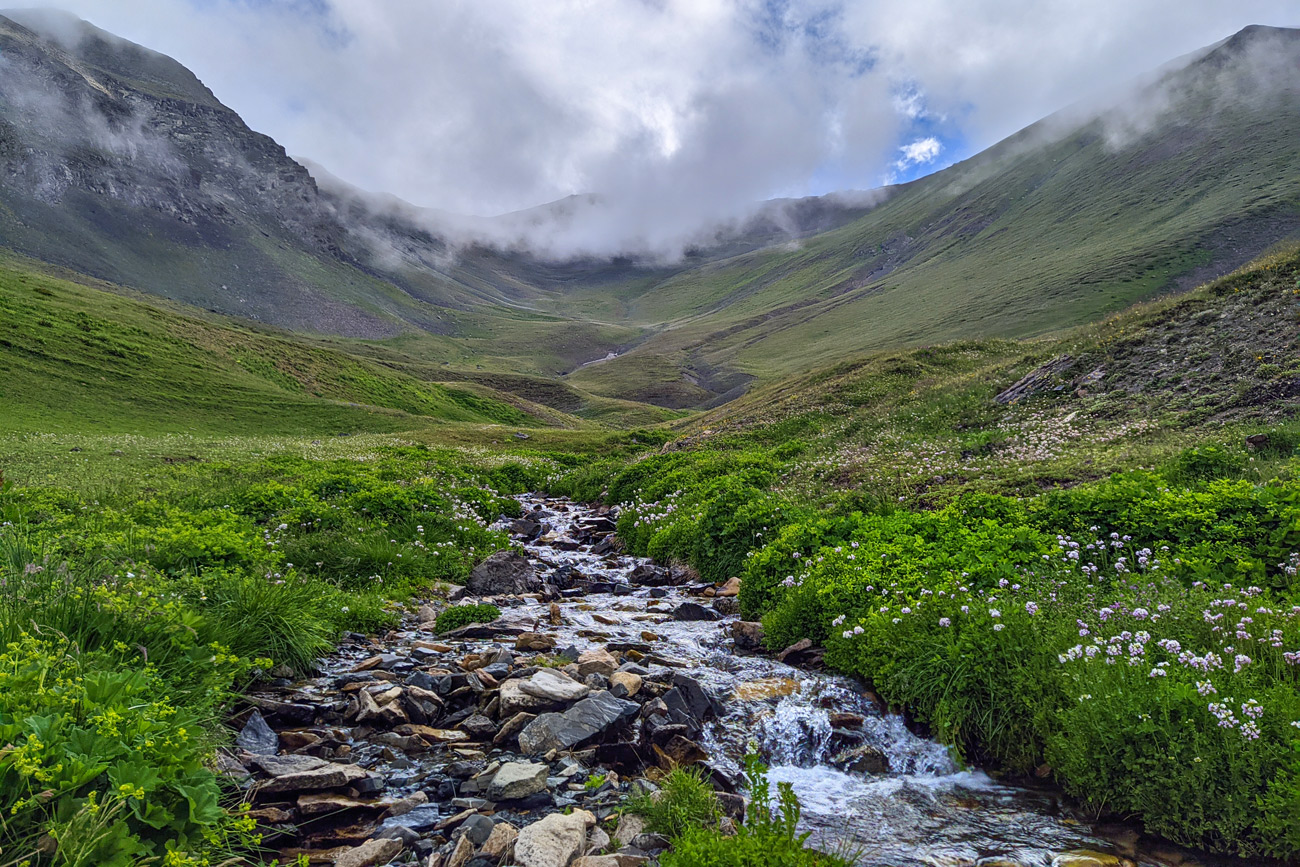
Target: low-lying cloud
(669, 117)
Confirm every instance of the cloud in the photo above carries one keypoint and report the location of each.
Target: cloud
(918, 153)
(677, 114)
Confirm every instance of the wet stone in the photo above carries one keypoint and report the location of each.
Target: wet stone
(258, 737)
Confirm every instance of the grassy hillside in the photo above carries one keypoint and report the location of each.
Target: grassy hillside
(83, 359)
(1059, 225)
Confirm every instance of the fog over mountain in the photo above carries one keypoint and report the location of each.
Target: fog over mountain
(669, 120)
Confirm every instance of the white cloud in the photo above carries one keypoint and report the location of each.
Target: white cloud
(918, 153)
(676, 112)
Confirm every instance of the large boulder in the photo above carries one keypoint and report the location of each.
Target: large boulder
(554, 841)
(504, 572)
(587, 719)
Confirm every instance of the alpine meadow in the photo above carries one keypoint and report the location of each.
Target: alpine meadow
(949, 520)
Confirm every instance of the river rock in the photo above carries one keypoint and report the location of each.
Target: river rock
(695, 611)
(630, 826)
(616, 860)
(477, 828)
(503, 572)
(802, 654)
(679, 752)
(554, 686)
(628, 682)
(258, 737)
(598, 660)
(304, 773)
(727, 606)
(748, 635)
(535, 642)
(499, 843)
(516, 780)
(554, 841)
(865, 759)
(648, 575)
(369, 853)
(511, 727)
(588, 718)
(731, 588)
(513, 699)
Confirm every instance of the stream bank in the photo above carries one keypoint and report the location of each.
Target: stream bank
(516, 741)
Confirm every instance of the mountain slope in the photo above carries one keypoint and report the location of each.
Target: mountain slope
(74, 357)
(1072, 218)
(116, 162)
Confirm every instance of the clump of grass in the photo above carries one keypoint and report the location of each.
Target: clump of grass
(684, 800)
(463, 615)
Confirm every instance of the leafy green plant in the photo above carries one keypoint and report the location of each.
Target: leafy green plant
(769, 835)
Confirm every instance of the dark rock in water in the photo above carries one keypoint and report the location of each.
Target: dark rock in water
(720, 778)
(699, 703)
(727, 606)
(648, 575)
(747, 635)
(695, 611)
(526, 528)
(802, 654)
(865, 759)
(608, 545)
(564, 577)
(650, 842)
(590, 717)
(623, 590)
(258, 737)
(596, 587)
(503, 572)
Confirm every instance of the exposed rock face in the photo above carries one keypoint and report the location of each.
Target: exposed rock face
(369, 853)
(502, 573)
(554, 841)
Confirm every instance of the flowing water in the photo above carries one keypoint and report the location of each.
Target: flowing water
(925, 808)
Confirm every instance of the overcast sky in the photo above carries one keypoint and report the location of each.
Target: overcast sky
(678, 109)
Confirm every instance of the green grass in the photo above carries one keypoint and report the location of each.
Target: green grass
(77, 358)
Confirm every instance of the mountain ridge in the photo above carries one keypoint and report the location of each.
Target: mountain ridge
(119, 163)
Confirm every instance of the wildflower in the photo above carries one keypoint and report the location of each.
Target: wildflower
(997, 627)
(1031, 607)
(945, 622)
(1157, 672)
(993, 612)
(857, 630)
(1239, 662)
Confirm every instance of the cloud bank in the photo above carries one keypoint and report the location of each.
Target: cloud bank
(676, 114)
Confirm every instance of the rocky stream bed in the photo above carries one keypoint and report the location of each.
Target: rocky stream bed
(515, 742)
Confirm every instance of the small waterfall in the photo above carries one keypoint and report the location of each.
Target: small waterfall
(796, 734)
